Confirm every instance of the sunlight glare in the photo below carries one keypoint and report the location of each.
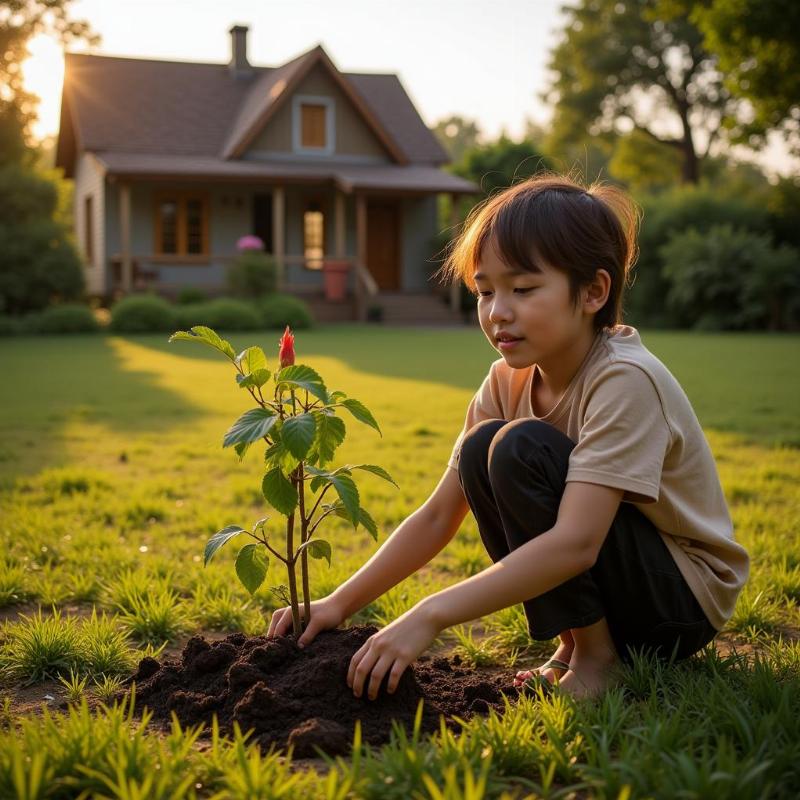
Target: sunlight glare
(43, 75)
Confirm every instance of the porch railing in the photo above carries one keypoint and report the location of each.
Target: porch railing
(144, 277)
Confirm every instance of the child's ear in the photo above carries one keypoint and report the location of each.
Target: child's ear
(595, 294)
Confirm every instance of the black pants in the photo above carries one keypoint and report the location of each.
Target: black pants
(513, 476)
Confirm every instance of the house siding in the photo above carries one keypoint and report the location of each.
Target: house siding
(354, 139)
(89, 183)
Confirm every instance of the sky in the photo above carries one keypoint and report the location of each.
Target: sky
(483, 60)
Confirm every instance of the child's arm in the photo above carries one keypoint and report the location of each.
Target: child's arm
(412, 545)
(567, 549)
(414, 542)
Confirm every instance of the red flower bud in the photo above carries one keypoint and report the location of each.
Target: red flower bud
(286, 353)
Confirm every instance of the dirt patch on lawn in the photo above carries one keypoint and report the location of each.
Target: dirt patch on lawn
(290, 696)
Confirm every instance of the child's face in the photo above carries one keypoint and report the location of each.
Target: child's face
(535, 307)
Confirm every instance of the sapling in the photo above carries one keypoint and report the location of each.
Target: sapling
(301, 436)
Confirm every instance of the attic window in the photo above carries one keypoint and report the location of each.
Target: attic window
(313, 126)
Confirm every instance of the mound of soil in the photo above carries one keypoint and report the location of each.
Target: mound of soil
(289, 695)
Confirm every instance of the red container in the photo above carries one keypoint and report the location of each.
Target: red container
(335, 279)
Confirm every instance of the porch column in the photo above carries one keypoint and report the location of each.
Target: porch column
(125, 236)
(278, 233)
(339, 224)
(455, 288)
(361, 255)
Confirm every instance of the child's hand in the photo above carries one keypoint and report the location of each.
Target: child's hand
(325, 613)
(391, 650)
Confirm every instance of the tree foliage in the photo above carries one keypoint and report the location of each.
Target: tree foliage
(636, 65)
(758, 46)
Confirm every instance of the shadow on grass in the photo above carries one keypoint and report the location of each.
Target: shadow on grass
(743, 383)
(50, 382)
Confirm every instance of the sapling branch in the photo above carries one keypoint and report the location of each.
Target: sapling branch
(263, 540)
(319, 499)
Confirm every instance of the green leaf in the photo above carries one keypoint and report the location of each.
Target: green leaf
(200, 333)
(255, 379)
(348, 492)
(279, 491)
(317, 548)
(219, 539)
(373, 468)
(250, 427)
(297, 434)
(302, 377)
(251, 359)
(251, 566)
(336, 396)
(330, 434)
(278, 456)
(366, 520)
(260, 524)
(241, 448)
(361, 413)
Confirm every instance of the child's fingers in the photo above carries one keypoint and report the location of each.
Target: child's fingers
(277, 624)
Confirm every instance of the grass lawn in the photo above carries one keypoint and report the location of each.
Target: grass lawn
(112, 477)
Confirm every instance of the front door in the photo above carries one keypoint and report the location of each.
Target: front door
(383, 243)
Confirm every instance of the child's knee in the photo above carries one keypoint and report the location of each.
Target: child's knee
(476, 442)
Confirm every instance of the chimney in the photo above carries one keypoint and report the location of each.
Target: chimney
(239, 65)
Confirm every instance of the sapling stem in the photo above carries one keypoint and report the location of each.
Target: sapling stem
(291, 573)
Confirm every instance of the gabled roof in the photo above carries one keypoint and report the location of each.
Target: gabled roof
(129, 105)
(273, 89)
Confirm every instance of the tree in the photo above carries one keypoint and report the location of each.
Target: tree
(636, 65)
(457, 135)
(498, 164)
(758, 46)
(21, 20)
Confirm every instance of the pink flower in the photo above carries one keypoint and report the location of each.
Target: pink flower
(249, 242)
(286, 353)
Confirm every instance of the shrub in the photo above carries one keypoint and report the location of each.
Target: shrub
(67, 318)
(8, 325)
(666, 215)
(279, 310)
(191, 294)
(223, 313)
(252, 274)
(731, 279)
(38, 263)
(142, 314)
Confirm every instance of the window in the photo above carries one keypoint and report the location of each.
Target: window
(181, 224)
(312, 124)
(313, 236)
(88, 230)
(313, 129)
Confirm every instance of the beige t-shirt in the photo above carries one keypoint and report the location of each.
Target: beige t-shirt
(635, 430)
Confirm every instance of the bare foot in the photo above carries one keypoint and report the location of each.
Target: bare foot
(590, 677)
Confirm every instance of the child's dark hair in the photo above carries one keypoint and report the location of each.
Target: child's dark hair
(553, 219)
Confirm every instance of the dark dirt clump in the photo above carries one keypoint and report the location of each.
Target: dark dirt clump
(289, 695)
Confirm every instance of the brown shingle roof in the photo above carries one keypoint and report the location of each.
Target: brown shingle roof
(184, 108)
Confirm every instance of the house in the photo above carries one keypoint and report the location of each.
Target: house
(173, 162)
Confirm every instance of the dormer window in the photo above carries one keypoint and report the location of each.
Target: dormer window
(313, 130)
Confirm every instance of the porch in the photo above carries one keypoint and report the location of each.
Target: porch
(167, 236)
